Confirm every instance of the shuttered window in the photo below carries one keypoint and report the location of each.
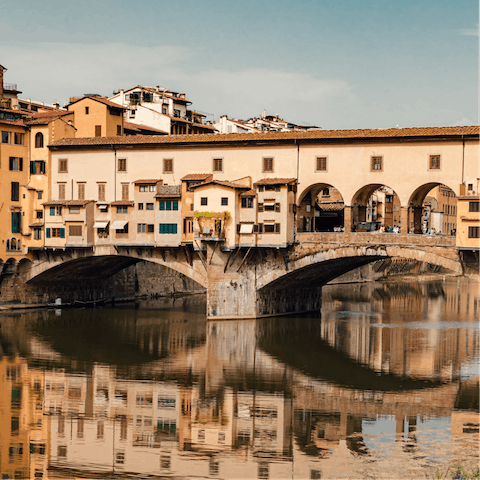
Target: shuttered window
(81, 191)
(101, 192)
(125, 191)
(321, 163)
(75, 230)
(167, 228)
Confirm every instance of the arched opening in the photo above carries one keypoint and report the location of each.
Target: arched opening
(39, 140)
(432, 209)
(13, 244)
(320, 209)
(376, 207)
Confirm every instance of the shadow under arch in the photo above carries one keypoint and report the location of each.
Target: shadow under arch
(418, 214)
(375, 204)
(320, 208)
(91, 268)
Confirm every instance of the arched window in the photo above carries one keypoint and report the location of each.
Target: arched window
(39, 140)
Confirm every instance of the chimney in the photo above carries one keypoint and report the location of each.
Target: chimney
(2, 69)
(56, 105)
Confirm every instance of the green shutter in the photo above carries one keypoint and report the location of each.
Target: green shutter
(52, 211)
(62, 233)
(20, 164)
(168, 205)
(174, 228)
(32, 168)
(162, 204)
(47, 234)
(175, 204)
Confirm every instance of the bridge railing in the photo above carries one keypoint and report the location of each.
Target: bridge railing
(376, 238)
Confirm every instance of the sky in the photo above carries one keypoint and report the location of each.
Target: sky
(331, 63)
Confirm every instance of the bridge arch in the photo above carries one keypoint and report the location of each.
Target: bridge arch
(320, 208)
(100, 267)
(319, 268)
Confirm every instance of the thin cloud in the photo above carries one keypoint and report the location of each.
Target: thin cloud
(469, 32)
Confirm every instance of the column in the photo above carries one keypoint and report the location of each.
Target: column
(347, 218)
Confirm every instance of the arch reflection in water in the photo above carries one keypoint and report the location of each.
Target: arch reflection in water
(159, 391)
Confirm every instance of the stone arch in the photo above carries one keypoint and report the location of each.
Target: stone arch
(319, 268)
(420, 210)
(320, 208)
(100, 267)
(24, 264)
(10, 266)
(374, 206)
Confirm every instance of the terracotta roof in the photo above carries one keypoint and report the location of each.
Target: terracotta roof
(467, 197)
(414, 132)
(35, 225)
(331, 206)
(46, 119)
(223, 183)
(11, 110)
(196, 176)
(123, 202)
(249, 193)
(103, 100)
(68, 203)
(51, 113)
(150, 182)
(275, 181)
(141, 128)
(168, 195)
(19, 123)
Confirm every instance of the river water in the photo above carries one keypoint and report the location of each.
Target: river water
(382, 384)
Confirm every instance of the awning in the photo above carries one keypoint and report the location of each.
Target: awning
(269, 203)
(246, 228)
(119, 224)
(100, 225)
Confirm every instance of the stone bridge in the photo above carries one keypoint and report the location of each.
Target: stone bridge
(248, 282)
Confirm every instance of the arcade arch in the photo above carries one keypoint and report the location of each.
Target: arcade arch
(432, 207)
(320, 209)
(376, 206)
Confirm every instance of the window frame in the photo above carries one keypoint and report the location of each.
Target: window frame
(63, 165)
(264, 164)
(217, 162)
(430, 158)
(376, 160)
(122, 165)
(474, 206)
(321, 157)
(39, 140)
(248, 201)
(474, 232)
(168, 162)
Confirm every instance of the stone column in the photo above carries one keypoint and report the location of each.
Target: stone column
(404, 220)
(347, 218)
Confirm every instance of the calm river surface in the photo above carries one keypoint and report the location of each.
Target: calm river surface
(382, 384)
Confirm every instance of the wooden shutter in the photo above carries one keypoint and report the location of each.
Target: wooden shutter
(124, 191)
(101, 192)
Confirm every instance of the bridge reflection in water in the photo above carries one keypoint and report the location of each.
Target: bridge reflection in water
(383, 383)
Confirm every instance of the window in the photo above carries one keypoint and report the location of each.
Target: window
(122, 231)
(81, 191)
(122, 164)
(268, 164)
(141, 227)
(377, 163)
(247, 202)
(168, 165)
(75, 230)
(122, 209)
(149, 206)
(39, 213)
(15, 191)
(87, 110)
(470, 186)
(150, 228)
(140, 206)
(203, 201)
(37, 167)
(101, 192)
(16, 222)
(5, 137)
(37, 234)
(98, 130)
(16, 163)
(167, 228)
(321, 163)
(55, 232)
(14, 244)
(218, 164)
(61, 191)
(164, 110)
(39, 195)
(62, 165)
(168, 205)
(434, 162)
(224, 201)
(74, 209)
(39, 140)
(473, 206)
(125, 191)
(176, 113)
(473, 232)
(19, 138)
(271, 227)
(119, 129)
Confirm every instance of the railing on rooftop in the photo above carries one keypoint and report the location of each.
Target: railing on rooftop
(10, 86)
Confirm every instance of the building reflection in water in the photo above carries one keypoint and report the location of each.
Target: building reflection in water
(161, 392)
